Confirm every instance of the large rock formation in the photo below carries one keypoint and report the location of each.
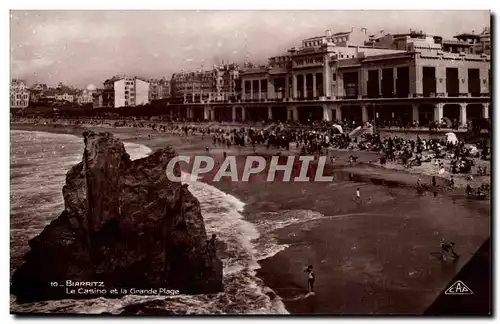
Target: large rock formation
(124, 224)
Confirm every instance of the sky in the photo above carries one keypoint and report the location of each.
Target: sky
(83, 47)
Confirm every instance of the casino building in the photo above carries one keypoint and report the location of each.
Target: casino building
(410, 77)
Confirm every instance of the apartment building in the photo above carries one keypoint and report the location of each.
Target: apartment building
(228, 85)
(19, 94)
(159, 89)
(408, 76)
(124, 91)
(194, 86)
(219, 84)
(98, 101)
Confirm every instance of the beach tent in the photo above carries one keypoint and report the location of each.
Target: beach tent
(358, 131)
(339, 128)
(451, 137)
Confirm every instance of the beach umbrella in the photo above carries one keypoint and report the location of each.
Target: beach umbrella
(357, 131)
(339, 128)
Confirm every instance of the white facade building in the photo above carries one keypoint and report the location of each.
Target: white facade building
(130, 92)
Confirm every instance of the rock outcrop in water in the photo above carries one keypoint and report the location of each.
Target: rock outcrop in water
(125, 225)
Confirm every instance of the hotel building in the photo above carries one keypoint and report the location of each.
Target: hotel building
(354, 76)
(195, 86)
(219, 84)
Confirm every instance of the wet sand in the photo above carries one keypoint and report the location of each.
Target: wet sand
(369, 258)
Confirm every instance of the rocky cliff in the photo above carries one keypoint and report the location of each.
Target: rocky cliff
(125, 225)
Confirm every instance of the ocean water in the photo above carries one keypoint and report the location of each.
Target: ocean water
(39, 162)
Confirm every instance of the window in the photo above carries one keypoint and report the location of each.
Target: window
(334, 76)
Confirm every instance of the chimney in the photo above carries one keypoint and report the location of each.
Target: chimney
(328, 33)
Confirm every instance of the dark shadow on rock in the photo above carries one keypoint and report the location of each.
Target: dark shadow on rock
(125, 224)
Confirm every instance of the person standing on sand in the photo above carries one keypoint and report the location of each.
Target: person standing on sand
(358, 196)
(211, 243)
(452, 183)
(447, 249)
(310, 278)
(468, 190)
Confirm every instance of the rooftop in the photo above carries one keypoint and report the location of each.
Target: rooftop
(255, 70)
(466, 35)
(121, 77)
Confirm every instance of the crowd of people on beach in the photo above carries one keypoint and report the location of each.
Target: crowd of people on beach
(316, 139)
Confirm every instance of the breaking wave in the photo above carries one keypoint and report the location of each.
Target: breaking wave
(39, 162)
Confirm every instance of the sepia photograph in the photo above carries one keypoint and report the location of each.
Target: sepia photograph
(250, 162)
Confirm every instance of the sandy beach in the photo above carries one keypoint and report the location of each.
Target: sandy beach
(369, 258)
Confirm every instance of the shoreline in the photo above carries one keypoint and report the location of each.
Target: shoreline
(275, 271)
(368, 169)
